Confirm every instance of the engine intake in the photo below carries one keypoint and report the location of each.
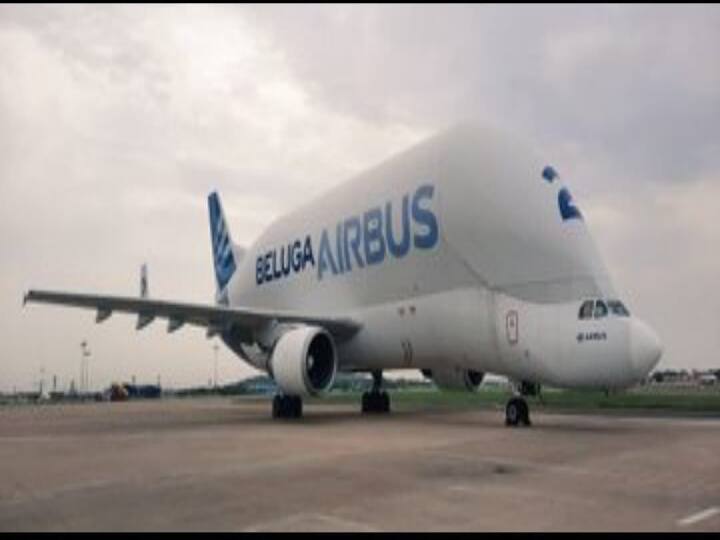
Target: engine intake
(304, 361)
(455, 378)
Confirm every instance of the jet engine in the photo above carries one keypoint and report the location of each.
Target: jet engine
(455, 378)
(304, 361)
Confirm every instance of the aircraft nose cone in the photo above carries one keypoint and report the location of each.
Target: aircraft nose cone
(646, 348)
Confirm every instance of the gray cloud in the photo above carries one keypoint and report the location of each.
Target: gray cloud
(630, 81)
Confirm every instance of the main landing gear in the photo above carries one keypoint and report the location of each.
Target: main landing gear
(376, 401)
(517, 411)
(287, 406)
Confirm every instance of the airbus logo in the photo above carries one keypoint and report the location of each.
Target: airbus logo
(568, 209)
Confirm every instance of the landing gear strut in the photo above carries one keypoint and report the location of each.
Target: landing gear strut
(287, 406)
(376, 401)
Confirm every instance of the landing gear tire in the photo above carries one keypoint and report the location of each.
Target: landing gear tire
(287, 406)
(517, 412)
(375, 402)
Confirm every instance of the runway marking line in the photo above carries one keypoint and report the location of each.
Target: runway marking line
(301, 517)
(462, 489)
(699, 516)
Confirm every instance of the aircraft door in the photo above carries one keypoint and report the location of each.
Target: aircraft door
(515, 332)
(511, 327)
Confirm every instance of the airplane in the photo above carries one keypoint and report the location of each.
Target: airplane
(463, 255)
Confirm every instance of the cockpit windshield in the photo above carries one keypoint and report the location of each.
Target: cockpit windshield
(597, 309)
(601, 309)
(586, 310)
(618, 308)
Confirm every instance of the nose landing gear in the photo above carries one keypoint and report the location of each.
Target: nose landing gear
(517, 411)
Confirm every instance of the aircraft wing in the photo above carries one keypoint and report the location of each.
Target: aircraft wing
(213, 317)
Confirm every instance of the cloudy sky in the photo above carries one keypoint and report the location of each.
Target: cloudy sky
(115, 122)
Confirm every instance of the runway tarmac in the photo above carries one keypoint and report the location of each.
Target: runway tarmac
(224, 464)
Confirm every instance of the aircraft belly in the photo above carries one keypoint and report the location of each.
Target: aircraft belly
(424, 332)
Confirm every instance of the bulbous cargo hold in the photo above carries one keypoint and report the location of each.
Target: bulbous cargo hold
(508, 215)
(469, 206)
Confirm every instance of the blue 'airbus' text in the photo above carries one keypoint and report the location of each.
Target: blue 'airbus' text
(359, 241)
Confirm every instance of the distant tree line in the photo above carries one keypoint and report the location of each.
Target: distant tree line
(263, 384)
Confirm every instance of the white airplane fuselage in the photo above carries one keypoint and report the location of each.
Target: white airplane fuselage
(464, 253)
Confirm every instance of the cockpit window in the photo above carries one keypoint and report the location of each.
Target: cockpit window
(617, 308)
(586, 310)
(601, 309)
(597, 309)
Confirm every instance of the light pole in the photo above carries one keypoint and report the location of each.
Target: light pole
(87, 371)
(83, 345)
(84, 365)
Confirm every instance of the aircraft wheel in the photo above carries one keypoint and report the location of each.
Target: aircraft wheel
(287, 406)
(525, 417)
(296, 407)
(375, 402)
(517, 412)
(276, 405)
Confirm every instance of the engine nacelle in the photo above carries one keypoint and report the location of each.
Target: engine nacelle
(304, 361)
(455, 378)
